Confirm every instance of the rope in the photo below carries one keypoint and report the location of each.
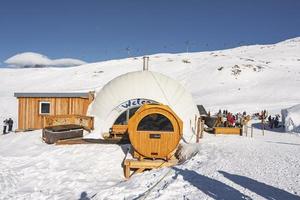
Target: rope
(145, 195)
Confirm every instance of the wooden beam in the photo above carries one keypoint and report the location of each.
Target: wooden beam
(227, 130)
(140, 165)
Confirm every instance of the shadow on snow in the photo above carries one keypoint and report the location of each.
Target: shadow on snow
(211, 187)
(262, 189)
(84, 196)
(260, 127)
(285, 143)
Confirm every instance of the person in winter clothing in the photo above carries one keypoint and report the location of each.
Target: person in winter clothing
(10, 123)
(270, 121)
(276, 122)
(230, 119)
(4, 126)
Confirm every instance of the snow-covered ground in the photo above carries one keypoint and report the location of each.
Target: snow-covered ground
(248, 78)
(226, 167)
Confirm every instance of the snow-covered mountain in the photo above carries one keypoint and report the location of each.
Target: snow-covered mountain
(245, 78)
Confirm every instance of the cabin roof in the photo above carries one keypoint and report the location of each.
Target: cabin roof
(48, 95)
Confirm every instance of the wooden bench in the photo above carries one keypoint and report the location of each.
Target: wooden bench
(118, 131)
(139, 166)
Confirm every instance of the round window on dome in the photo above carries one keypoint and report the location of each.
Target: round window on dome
(155, 122)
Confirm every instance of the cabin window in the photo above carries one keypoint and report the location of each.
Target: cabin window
(122, 119)
(44, 108)
(155, 122)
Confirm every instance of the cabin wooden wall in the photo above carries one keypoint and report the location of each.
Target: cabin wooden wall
(29, 117)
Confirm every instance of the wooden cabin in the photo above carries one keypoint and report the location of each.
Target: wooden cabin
(33, 108)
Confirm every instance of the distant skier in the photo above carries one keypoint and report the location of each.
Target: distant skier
(10, 123)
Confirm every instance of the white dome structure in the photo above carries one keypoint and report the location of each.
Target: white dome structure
(136, 88)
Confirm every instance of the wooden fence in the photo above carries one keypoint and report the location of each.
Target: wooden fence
(54, 120)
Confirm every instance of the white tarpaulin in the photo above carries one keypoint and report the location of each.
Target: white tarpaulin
(291, 118)
(136, 88)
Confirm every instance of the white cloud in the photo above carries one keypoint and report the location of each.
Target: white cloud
(31, 59)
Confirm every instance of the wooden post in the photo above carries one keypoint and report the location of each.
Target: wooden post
(127, 171)
(251, 131)
(242, 129)
(198, 130)
(263, 126)
(195, 125)
(202, 128)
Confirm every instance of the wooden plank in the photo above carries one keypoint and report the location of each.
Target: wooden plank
(149, 164)
(119, 129)
(227, 130)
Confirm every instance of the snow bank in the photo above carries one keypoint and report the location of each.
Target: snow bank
(31, 59)
(291, 118)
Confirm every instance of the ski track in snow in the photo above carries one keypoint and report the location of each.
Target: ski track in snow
(271, 162)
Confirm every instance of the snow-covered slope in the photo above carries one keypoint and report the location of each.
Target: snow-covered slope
(247, 78)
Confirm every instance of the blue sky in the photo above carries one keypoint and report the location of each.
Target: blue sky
(95, 30)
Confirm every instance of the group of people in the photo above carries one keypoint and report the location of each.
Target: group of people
(228, 119)
(231, 120)
(273, 121)
(7, 123)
